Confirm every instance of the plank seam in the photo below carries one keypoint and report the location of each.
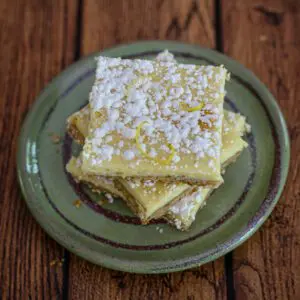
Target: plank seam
(66, 265)
(78, 36)
(229, 276)
(77, 54)
(228, 261)
(219, 26)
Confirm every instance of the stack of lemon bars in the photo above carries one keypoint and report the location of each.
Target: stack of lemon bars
(155, 134)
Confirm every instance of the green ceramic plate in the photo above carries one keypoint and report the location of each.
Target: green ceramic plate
(110, 235)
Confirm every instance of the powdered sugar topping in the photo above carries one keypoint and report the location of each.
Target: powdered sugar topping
(184, 206)
(159, 95)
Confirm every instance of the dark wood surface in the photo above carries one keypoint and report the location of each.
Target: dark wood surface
(40, 38)
(267, 41)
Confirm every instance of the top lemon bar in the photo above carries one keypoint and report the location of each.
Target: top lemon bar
(155, 119)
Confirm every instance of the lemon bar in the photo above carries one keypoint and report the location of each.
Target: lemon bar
(183, 212)
(156, 120)
(153, 199)
(149, 198)
(77, 123)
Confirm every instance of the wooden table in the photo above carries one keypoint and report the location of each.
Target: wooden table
(39, 38)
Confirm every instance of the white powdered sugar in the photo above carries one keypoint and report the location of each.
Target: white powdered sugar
(184, 206)
(109, 197)
(165, 56)
(149, 183)
(129, 154)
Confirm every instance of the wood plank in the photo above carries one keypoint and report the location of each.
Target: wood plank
(264, 36)
(107, 23)
(37, 40)
(88, 281)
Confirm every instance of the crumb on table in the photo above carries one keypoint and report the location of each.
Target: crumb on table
(57, 262)
(100, 202)
(77, 203)
(263, 38)
(55, 138)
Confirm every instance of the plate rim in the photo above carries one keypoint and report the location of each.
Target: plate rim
(272, 108)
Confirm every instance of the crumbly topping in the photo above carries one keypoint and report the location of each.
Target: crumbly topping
(109, 197)
(134, 183)
(105, 180)
(184, 206)
(151, 186)
(165, 56)
(160, 95)
(231, 117)
(78, 162)
(149, 183)
(231, 120)
(178, 223)
(129, 154)
(247, 128)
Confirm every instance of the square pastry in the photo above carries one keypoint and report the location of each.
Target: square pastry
(155, 120)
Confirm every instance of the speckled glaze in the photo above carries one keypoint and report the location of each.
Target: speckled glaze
(108, 234)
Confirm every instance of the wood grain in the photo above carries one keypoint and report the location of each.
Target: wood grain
(37, 40)
(107, 23)
(264, 36)
(110, 22)
(88, 281)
